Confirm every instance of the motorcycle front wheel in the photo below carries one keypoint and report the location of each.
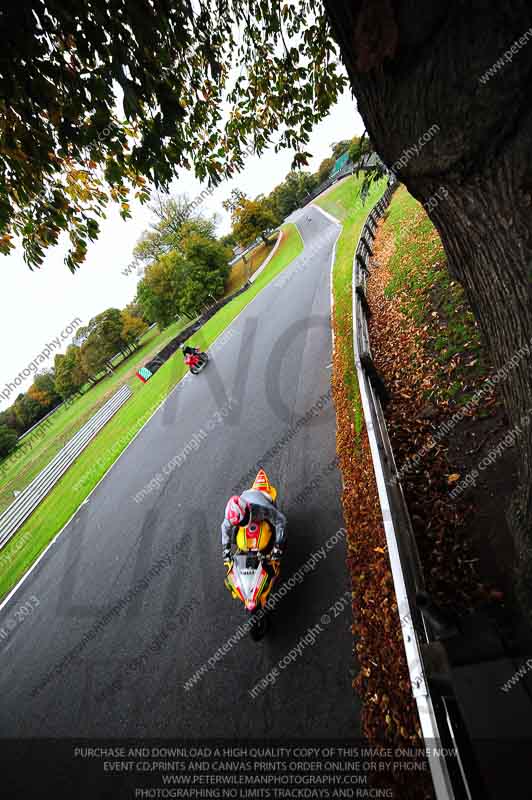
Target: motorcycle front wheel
(259, 625)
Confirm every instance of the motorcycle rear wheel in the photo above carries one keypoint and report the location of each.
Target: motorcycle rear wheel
(259, 625)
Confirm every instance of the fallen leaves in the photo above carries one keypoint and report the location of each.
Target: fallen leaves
(389, 714)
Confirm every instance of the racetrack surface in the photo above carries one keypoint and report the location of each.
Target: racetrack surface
(59, 661)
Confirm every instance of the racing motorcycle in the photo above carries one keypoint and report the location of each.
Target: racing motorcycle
(196, 361)
(252, 573)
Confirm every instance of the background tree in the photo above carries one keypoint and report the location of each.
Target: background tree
(8, 440)
(135, 310)
(234, 200)
(159, 291)
(93, 360)
(70, 375)
(102, 339)
(229, 240)
(175, 216)
(27, 411)
(206, 273)
(291, 193)
(251, 218)
(133, 327)
(8, 417)
(325, 168)
(340, 148)
(44, 389)
(175, 68)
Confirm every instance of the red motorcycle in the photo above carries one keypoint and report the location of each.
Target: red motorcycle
(196, 360)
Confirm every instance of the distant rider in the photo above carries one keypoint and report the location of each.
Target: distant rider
(190, 351)
(252, 506)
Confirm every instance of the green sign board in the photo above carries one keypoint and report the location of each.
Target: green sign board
(340, 162)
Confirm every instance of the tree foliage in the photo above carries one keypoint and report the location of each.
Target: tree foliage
(102, 339)
(325, 168)
(181, 282)
(28, 411)
(175, 218)
(359, 146)
(8, 417)
(251, 218)
(8, 440)
(159, 290)
(132, 328)
(70, 374)
(44, 389)
(291, 193)
(340, 148)
(206, 273)
(68, 146)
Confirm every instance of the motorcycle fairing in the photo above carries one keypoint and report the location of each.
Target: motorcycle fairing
(248, 582)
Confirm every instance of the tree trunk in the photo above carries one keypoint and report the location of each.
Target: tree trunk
(457, 130)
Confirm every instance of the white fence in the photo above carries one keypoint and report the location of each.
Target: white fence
(28, 500)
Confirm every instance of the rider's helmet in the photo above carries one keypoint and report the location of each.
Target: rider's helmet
(237, 510)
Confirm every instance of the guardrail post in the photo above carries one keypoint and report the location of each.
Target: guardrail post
(370, 228)
(363, 301)
(361, 263)
(366, 244)
(374, 376)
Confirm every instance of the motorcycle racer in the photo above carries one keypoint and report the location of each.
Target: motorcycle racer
(252, 506)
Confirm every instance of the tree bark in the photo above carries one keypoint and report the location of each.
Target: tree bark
(461, 136)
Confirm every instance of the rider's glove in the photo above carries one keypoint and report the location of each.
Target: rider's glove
(276, 554)
(227, 556)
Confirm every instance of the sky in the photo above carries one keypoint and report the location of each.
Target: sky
(38, 305)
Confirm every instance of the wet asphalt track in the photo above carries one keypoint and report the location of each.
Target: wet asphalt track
(270, 372)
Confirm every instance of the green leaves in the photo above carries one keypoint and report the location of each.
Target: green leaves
(182, 104)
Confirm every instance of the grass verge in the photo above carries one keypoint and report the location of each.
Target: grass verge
(243, 270)
(341, 199)
(57, 508)
(432, 301)
(345, 201)
(38, 448)
(456, 506)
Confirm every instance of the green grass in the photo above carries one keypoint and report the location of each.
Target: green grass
(343, 276)
(61, 426)
(53, 513)
(242, 271)
(340, 200)
(431, 298)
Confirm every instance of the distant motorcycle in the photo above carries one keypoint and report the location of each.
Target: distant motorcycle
(253, 573)
(196, 361)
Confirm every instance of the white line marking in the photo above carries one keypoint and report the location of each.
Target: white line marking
(326, 214)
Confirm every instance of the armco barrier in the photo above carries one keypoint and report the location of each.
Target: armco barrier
(440, 723)
(36, 491)
(173, 345)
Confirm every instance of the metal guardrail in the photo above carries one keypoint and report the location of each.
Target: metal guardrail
(449, 775)
(28, 500)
